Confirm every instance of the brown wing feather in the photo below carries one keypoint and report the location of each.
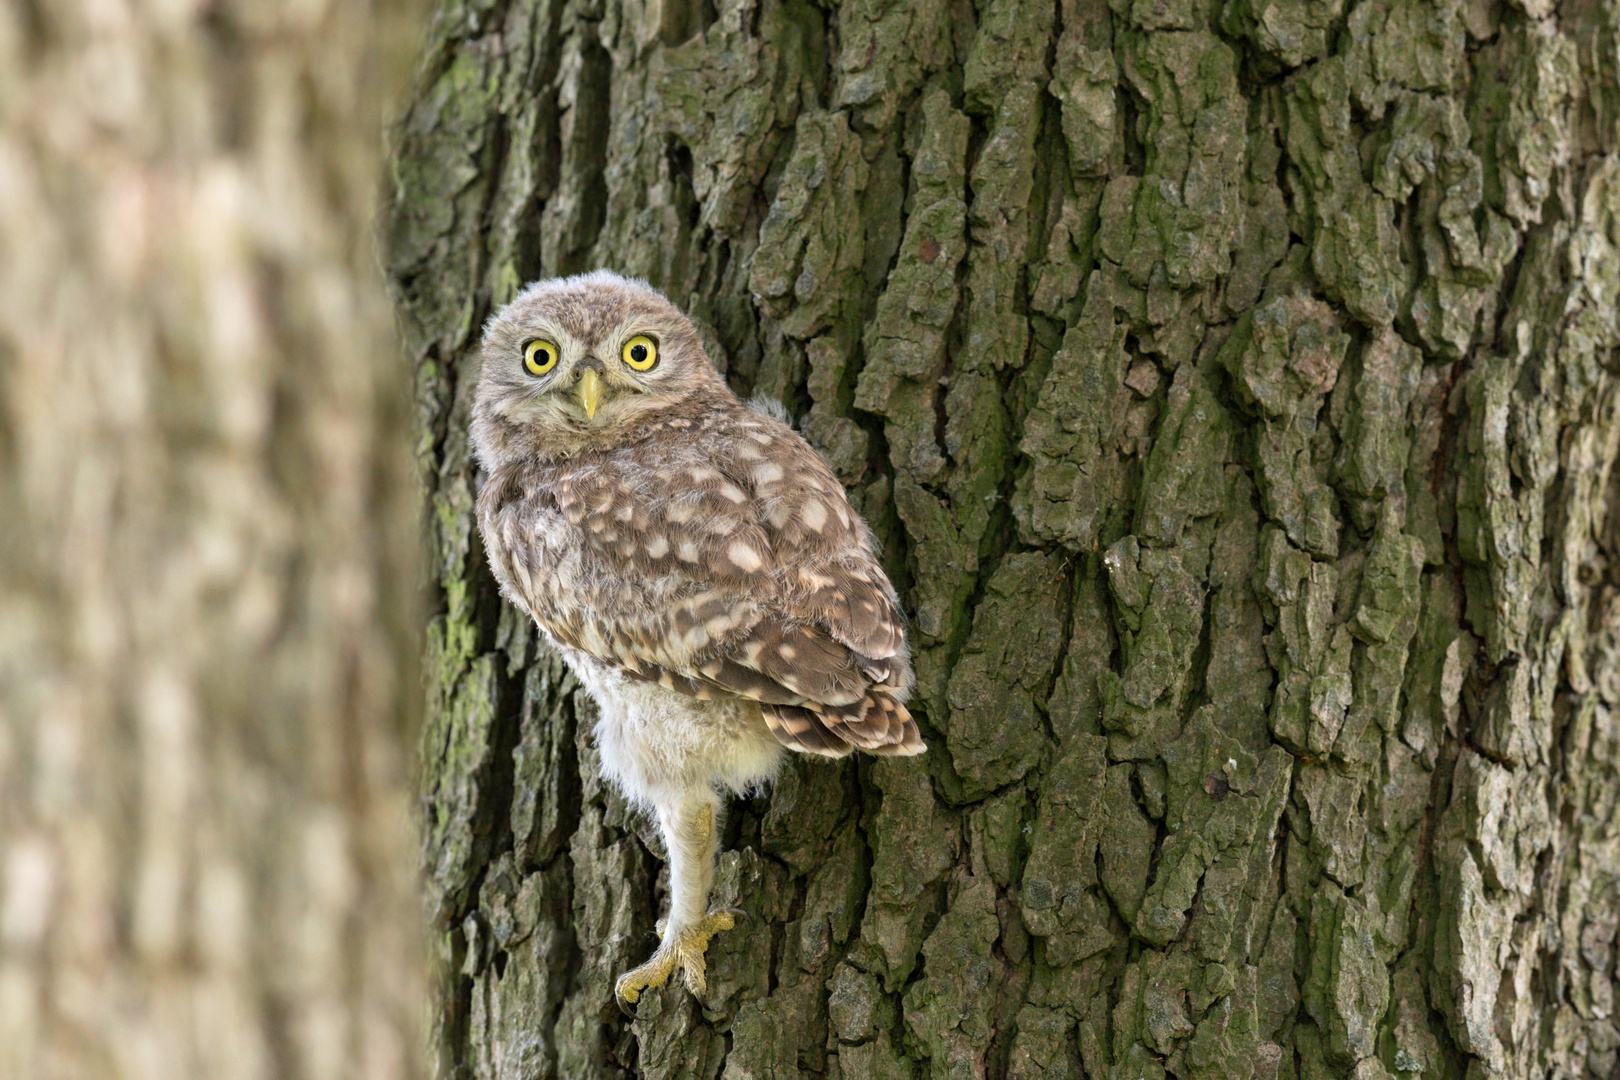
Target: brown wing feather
(805, 659)
(848, 597)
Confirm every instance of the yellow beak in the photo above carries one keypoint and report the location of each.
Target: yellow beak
(589, 390)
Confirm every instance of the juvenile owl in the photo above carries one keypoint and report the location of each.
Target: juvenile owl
(693, 560)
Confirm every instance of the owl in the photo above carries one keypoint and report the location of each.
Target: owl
(692, 559)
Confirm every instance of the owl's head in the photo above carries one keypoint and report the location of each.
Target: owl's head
(581, 363)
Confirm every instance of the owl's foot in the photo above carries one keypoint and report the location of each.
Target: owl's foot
(684, 949)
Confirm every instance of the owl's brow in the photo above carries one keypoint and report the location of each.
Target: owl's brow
(558, 334)
(634, 322)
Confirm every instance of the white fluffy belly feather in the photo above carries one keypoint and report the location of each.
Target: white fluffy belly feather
(660, 746)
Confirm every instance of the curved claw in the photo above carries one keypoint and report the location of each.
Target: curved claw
(629, 987)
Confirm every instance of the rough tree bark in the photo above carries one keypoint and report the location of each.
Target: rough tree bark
(1234, 388)
(208, 617)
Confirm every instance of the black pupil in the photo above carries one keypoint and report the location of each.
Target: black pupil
(542, 357)
(638, 353)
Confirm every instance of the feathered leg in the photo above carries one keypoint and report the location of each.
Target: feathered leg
(687, 826)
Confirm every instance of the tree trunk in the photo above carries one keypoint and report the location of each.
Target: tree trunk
(1234, 390)
(207, 549)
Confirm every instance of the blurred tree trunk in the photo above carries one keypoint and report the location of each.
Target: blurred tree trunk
(207, 549)
(1234, 387)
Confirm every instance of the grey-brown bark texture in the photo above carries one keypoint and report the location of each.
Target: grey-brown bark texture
(1234, 388)
(207, 621)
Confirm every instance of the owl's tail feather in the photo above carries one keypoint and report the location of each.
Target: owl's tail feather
(801, 729)
(877, 724)
(904, 740)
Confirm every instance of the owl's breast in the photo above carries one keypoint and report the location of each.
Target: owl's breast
(582, 590)
(545, 564)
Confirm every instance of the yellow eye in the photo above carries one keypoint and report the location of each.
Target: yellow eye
(641, 353)
(539, 357)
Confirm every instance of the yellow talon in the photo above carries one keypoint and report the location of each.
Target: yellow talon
(685, 949)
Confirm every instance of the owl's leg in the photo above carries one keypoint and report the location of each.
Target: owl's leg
(690, 841)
